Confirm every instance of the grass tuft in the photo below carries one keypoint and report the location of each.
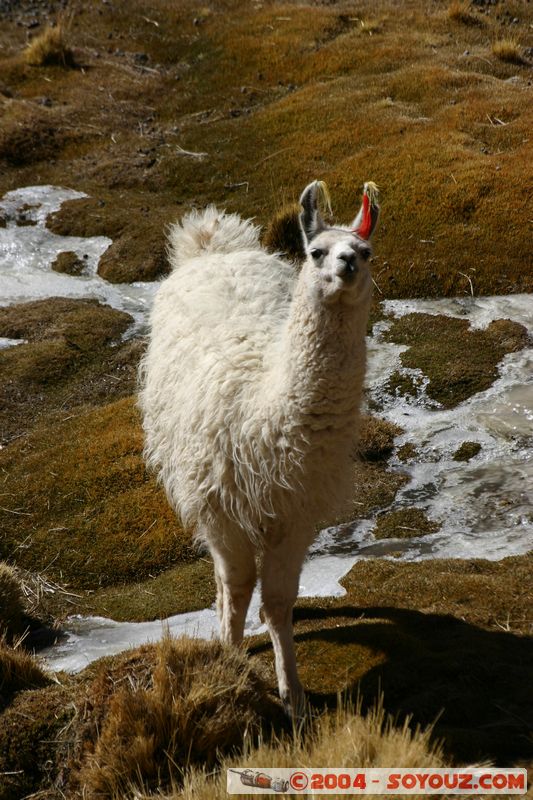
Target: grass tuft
(49, 49)
(18, 670)
(11, 602)
(459, 11)
(345, 737)
(376, 438)
(283, 233)
(200, 701)
(508, 49)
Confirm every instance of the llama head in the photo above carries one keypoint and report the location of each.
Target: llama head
(337, 264)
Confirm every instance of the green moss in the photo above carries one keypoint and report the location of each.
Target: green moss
(84, 502)
(29, 136)
(459, 361)
(400, 383)
(467, 451)
(404, 524)
(407, 452)
(375, 488)
(189, 586)
(88, 216)
(83, 324)
(139, 255)
(36, 365)
(69, 262)
(185, 587)
(68, 341)
(137, 252)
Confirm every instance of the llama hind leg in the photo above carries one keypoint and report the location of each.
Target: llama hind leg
(235, 575)
(279, 589)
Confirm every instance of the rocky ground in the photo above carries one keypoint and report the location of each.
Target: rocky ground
(154, 108)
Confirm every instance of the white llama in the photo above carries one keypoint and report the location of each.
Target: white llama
(250, 393)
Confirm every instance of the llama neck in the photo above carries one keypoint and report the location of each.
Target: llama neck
(323, 354)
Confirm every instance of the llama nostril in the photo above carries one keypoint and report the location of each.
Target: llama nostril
(347, 267)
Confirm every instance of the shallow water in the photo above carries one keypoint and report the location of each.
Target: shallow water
(484, 506)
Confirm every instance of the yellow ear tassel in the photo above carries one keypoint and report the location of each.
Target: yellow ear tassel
(324, 197)
(371, 189)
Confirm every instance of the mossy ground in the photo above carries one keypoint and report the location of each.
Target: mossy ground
(404, 523)
(443, 641)
(442, 348)
(275, 95)
(466, 451)
(73, 355)
(448, 638)
(83, 509)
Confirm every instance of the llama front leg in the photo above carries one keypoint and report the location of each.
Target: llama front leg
(235, 575)
(280, 576)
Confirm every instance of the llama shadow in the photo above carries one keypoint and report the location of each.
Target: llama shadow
(474, 685)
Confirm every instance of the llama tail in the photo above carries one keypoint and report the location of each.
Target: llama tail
(210, 231)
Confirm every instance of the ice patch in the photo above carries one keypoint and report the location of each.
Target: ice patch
(89, 638)
(5, 342)
(27, 253)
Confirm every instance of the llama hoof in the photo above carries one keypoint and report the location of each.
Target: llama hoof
(295, 707)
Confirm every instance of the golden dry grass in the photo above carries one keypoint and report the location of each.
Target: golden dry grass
(344, 739)
(49, 48)
(460, 11)
(376, 438)
(508, 49)
(18, 671)
(282, 94)
(201, 700)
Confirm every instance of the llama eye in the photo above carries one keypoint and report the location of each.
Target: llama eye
(316, 253)
(365, 253)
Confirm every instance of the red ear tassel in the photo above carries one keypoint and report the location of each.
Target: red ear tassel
(369, 211)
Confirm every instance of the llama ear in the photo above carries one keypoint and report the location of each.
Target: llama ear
(311, 220)
(366, 220)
